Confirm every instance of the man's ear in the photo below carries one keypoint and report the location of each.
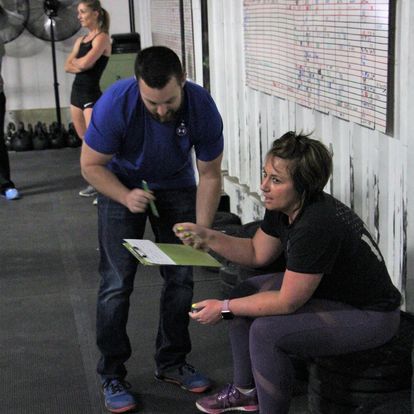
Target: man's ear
(184, 78)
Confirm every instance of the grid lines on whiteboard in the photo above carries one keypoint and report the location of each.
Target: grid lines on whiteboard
(328, 55)
(166, 29)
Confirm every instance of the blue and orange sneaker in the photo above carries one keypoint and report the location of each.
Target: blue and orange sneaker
(187, 377)
(117, 397)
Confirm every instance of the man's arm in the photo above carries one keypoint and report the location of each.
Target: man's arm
(208, 190)
(95, 171)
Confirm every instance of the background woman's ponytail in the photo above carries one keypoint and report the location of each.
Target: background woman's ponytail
(104, 20)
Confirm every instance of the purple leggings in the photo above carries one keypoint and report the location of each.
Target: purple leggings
(261, 346)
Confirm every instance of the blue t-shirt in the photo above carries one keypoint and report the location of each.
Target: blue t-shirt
(146, 149)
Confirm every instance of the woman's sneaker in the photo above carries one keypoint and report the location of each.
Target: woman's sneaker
(229, 399)
(117, 397)
(187, 377)
(89, 191)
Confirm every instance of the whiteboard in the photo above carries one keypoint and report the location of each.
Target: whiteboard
(328, 55)
(166, 30)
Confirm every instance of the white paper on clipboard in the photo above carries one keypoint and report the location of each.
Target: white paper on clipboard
(148, 250)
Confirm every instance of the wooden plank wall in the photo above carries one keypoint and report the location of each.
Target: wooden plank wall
(371, 169)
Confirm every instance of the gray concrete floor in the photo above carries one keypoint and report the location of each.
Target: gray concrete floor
(48, 284)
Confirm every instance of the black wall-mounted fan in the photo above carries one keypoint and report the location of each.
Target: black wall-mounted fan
(53, 20)
(13, 17)
(63, 13)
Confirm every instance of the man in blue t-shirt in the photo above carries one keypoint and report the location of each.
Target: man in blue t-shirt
(147, 128)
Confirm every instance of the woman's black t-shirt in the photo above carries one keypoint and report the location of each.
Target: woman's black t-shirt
(328, 237)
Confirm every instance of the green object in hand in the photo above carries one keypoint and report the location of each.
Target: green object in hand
(152, 204)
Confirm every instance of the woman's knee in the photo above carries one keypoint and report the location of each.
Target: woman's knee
(259, 336)
(268, 333)
(78, 120)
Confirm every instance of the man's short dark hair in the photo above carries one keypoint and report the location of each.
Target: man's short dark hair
(156, 65)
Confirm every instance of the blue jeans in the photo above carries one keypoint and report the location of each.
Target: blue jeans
(118, 268)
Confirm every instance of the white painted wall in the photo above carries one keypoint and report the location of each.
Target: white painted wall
(27, 67)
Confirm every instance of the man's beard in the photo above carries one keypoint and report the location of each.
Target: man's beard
(170, 116)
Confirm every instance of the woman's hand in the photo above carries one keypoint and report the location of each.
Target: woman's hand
(207, 312)
(192, 235)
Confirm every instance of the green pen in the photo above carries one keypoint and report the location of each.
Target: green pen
(152, 204)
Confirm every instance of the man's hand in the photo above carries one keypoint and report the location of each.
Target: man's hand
(137, 200)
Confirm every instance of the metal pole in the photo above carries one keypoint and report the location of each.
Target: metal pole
(183, 59)
(55, 84)
(206, 57)
(131, 16)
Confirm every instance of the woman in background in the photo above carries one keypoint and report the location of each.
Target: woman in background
(87, 61)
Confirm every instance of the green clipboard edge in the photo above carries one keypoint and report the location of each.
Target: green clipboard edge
(182, 255)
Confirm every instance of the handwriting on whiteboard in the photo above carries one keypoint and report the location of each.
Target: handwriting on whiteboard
(329, 55)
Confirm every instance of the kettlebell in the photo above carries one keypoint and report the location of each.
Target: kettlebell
(40, 139)
(57, 139)
(73, 139)
(11, 129)
(22, 140)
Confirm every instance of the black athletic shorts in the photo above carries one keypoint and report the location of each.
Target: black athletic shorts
(84, 100)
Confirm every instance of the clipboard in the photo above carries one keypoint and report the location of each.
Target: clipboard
(156, 254)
